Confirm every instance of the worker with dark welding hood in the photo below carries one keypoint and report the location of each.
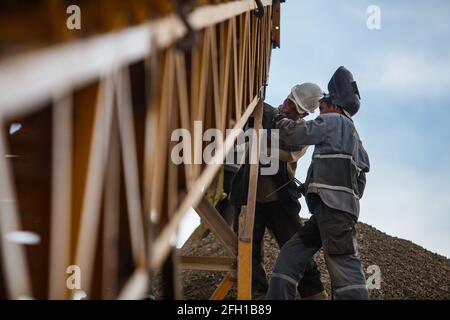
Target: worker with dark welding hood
(335, 183)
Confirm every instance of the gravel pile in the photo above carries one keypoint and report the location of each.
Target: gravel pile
(408, 271)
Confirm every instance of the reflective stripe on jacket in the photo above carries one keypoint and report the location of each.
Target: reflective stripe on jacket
(339, 164)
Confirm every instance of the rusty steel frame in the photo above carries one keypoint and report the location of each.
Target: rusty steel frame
(222, 84)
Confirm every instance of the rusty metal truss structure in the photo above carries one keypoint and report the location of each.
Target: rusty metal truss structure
(90, 173)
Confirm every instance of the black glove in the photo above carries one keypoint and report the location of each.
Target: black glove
(302, 189)
(298, 190)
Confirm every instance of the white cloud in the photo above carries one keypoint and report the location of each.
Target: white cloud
(408, 57)
(407, 73)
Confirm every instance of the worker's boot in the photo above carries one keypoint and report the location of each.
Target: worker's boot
(317, 296)
(258, 296)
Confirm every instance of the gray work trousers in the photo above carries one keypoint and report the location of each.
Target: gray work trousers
(335, 231)
(283, 220)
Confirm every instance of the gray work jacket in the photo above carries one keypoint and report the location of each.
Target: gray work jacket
(339, 165)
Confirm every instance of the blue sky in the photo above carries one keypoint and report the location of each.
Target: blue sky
(403, 73)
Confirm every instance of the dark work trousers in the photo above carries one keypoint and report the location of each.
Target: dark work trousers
(335, 231)
(283, 220)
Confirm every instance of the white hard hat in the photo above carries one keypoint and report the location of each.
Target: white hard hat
(306, 97)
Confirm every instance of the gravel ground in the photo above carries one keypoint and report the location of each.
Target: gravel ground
(408, 271)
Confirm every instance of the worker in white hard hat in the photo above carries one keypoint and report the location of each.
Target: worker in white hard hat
(306, 97)
(277, 204)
